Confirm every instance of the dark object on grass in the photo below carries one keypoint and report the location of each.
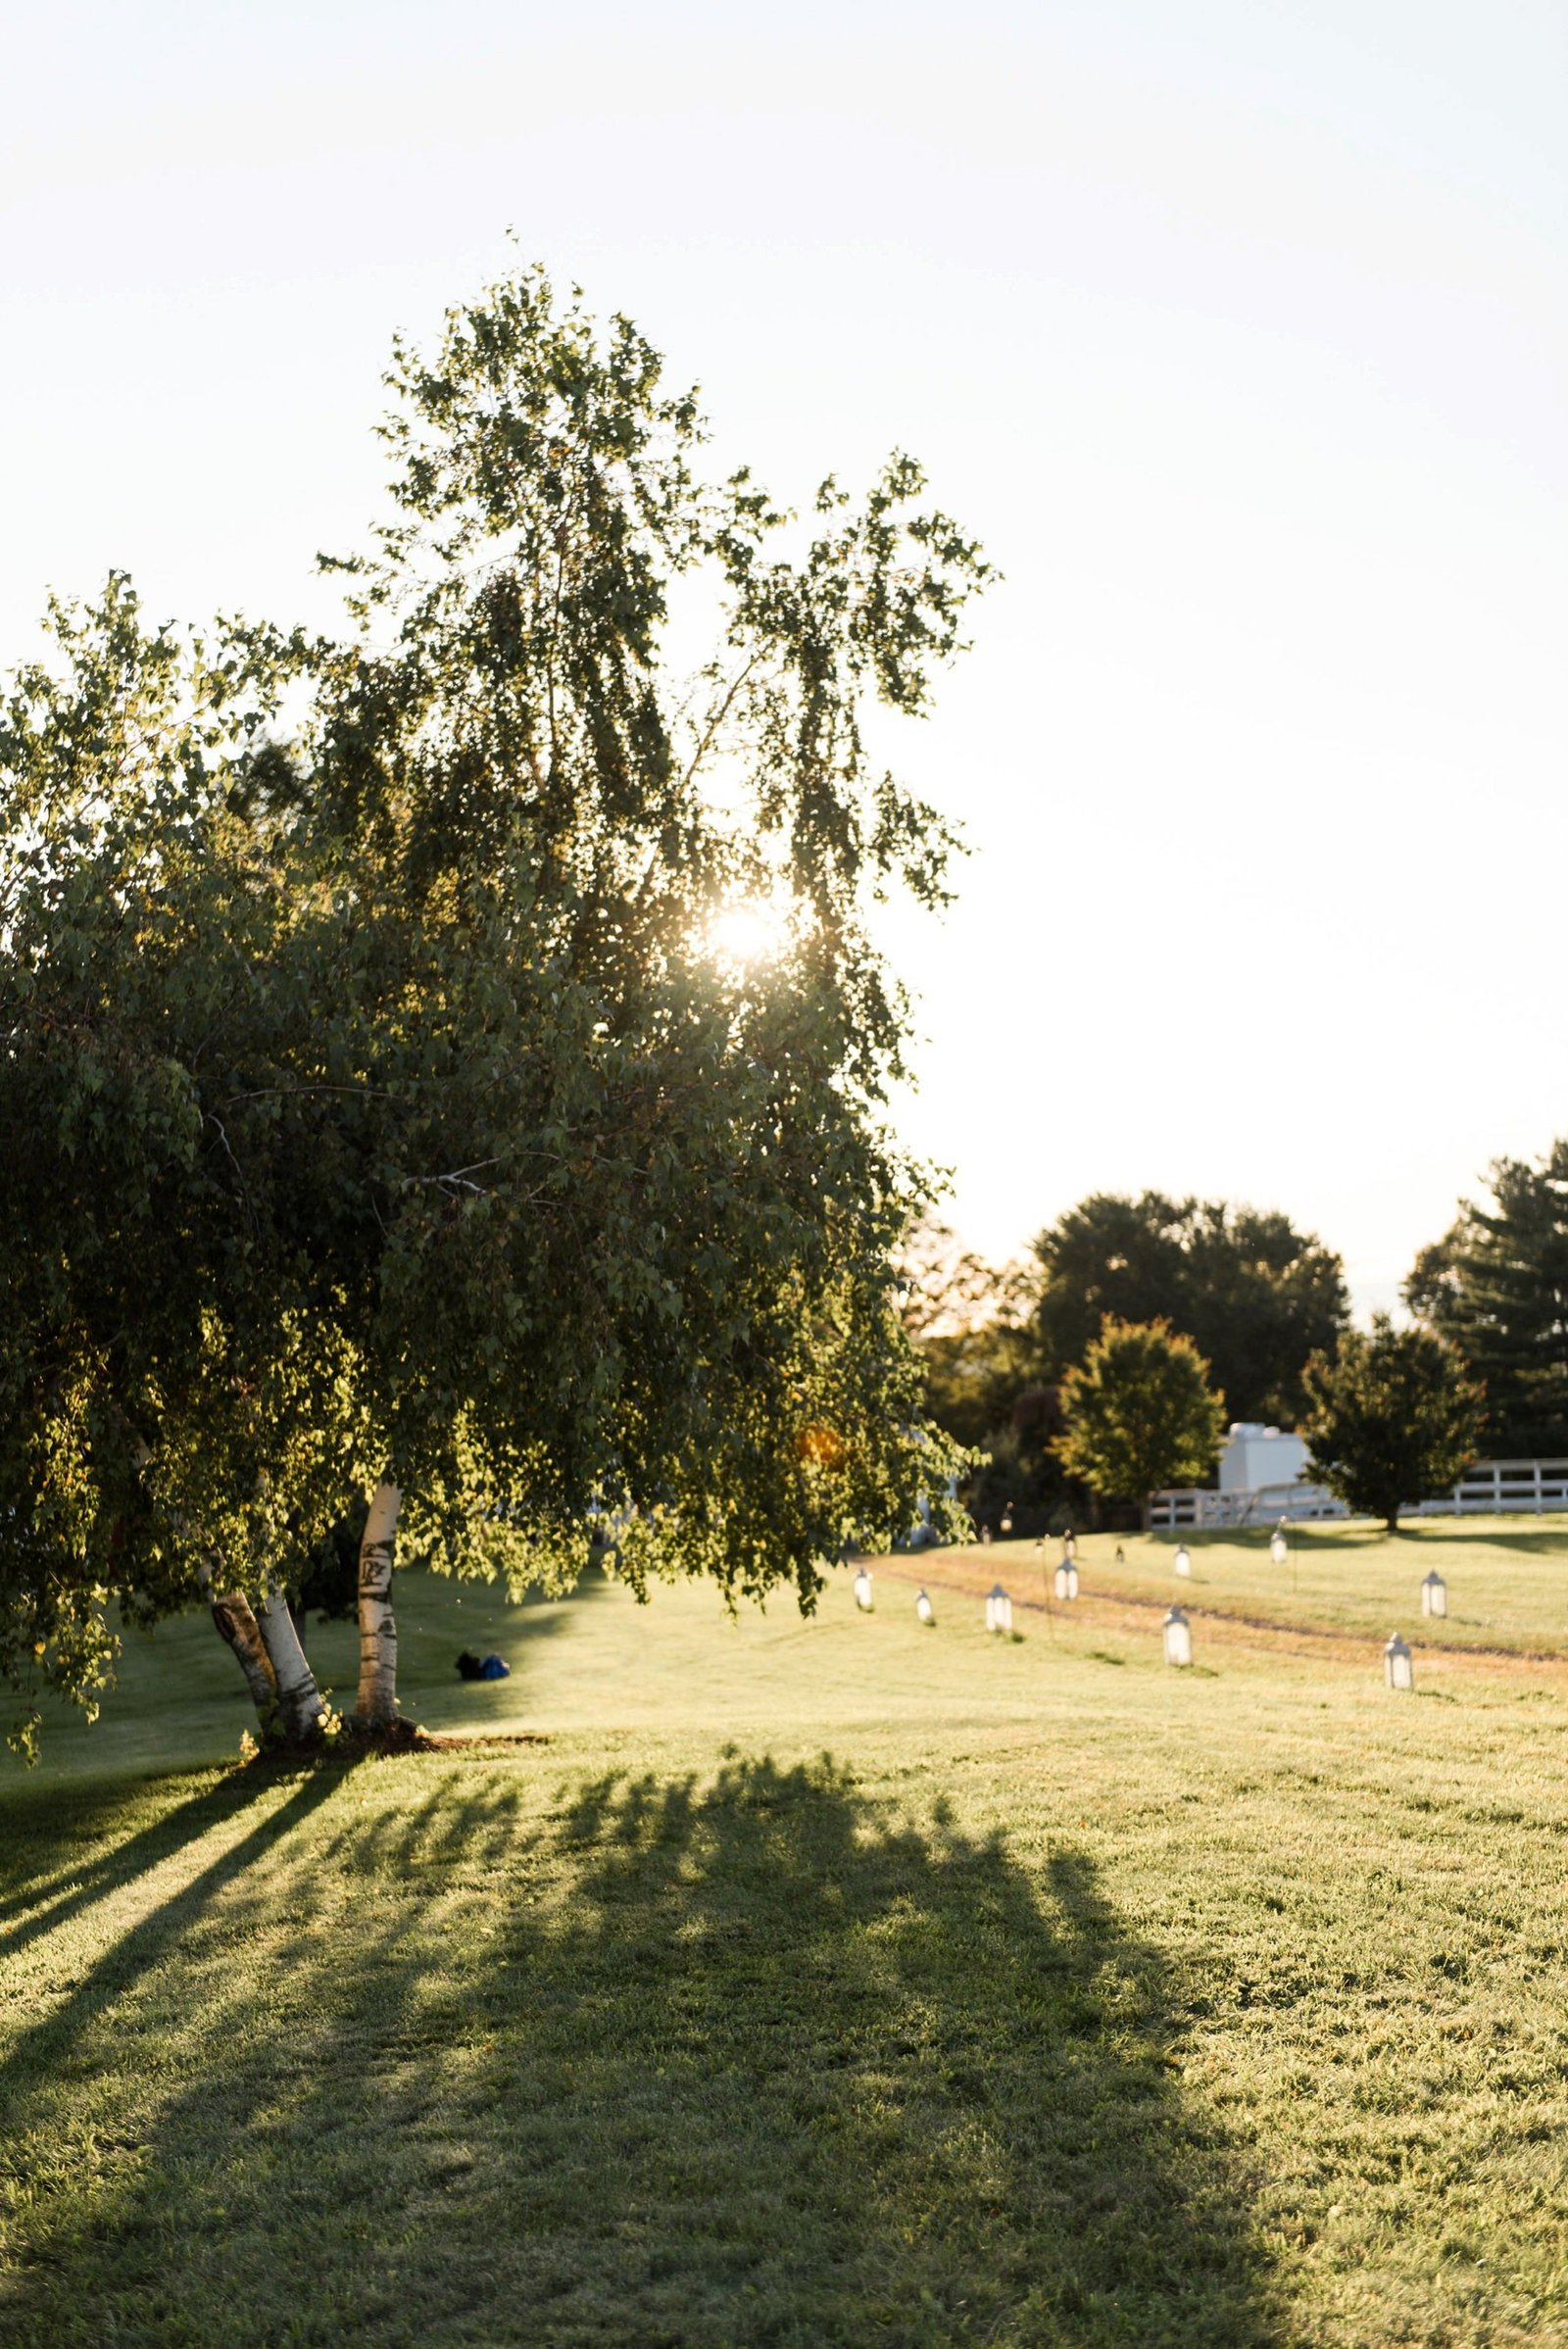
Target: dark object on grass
(486, 1668)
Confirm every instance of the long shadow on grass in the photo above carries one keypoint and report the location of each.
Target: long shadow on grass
(150, 1942)
(40, 1821)
(749, 2062)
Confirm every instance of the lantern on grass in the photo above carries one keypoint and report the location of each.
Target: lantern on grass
(1434, 1594)
(1278, 1550)
(862, 1589)
(1006, 1518)
(998, 1610)
(1069, 1546)
(1121, 1555)
(1066, 1579)
(924, 1610)
(1398, 1668)
(1182, 1561)
(1178, 1637)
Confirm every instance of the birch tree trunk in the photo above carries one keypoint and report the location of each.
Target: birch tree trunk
(238, 1626)
(236, 1623)
(377, 1700)
(299, 1700)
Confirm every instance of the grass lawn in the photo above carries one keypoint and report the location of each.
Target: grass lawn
(822, 1982)
(1507, 1577)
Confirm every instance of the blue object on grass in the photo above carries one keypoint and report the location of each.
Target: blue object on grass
(494, 1668)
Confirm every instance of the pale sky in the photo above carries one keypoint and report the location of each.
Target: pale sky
(1237, 331)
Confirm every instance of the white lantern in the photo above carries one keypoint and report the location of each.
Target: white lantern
(1067, 1579)
(1178, 1637)
(1434, 1594)
(1398, 1668)
(924, 1610)
(1121, 1555)
(998, 1610)
(1279, 1549)
(1182, 1563)
(862, 1589)
(1007, 1519)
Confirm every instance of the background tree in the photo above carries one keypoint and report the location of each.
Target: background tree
(965, 1318)
(968, 1323)
(1256, 1296)
(1496, 1287)
(1393, 1418)
(1140, 1414)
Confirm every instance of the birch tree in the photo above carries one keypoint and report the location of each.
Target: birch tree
(169, 1418)
(633, 1253)
(499, 1182)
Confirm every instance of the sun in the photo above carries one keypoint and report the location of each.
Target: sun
(746, 933)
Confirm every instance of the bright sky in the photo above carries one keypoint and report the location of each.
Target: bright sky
(1235, 328)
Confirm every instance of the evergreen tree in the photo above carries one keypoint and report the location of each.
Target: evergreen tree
(1495, 1286)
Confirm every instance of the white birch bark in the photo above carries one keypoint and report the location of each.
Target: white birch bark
(377, 1700)
(233, 1617)
(235, 1622)
(299, 1700)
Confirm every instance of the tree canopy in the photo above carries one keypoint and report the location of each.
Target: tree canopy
(1496, 1287)
(1392, 1419)
(394, 1116)
(1256, 1296)
(166, 1403)
(1140, 1412)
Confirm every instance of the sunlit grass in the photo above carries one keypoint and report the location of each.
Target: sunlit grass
(1507, 1577)
(832, 1983)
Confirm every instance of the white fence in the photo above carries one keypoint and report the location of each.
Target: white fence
(1202, 1510)
(1492, 1487)
(1489, 1488)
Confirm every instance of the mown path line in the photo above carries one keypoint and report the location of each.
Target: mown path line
(1300, 1631)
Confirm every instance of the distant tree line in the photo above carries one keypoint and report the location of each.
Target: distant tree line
(1264, 1313)
(1253, 1299)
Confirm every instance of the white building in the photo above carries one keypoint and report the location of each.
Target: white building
(1255, 1455)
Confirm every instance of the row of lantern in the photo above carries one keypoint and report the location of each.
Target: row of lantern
(1398, 1665)
(998, 1605)
(1434, 1589)
(998, 1610)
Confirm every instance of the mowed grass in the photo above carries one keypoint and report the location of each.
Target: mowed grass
(1507, 1577)
(817, 1983)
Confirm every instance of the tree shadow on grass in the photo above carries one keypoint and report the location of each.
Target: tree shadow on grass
(144, 1947)
(41, 1893)
(747, 2062)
